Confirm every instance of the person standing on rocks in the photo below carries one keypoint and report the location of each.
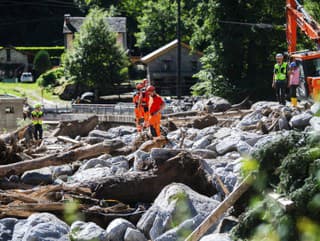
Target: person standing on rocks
(37, 115)
(156, 105)
(294, 79)
(138, 111)
(279, 82)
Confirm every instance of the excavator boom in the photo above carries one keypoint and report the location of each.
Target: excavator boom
(297, 16)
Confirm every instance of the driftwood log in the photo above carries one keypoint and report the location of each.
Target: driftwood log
(61, 158)
(145, 186)
(76, 128)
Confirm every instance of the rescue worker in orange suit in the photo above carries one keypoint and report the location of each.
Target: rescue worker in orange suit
(156, 105)
(138, 111)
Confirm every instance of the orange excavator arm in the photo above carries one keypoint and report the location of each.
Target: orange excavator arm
(297, 16)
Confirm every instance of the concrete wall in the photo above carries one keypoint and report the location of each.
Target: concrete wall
(10, 110)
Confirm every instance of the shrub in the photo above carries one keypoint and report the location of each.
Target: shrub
(50, 77)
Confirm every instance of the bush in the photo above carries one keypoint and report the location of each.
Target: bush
(50, 77)
(41, 62)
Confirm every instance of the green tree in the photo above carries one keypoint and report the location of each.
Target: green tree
(41, 62)
(96, 60)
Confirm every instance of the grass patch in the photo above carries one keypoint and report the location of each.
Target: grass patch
(30, 90)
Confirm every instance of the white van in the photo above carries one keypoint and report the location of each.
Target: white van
(26, 77)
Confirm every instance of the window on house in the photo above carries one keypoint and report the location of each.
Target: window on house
(194, 65)
(8, 55)
(166, 65)
(9, 109)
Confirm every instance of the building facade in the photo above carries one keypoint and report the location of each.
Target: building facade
(162, 68)
(12, 63)
(11, 108)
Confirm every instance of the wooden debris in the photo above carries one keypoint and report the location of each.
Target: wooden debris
(145, 186)
(76, 128)
(216, 214)
(60, 158)
(67, 139)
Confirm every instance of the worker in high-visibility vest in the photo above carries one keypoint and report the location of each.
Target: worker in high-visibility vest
(156, 105)
(37, 116)
(279, 82)
(137, 107)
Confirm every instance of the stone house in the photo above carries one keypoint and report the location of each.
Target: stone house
(12, 63)
(162, 68)
(72, 25)
(11, 109)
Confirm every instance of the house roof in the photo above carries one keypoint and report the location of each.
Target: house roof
(165, 49)
(73, 24)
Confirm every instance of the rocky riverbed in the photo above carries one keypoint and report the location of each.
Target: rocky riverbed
(161, 192)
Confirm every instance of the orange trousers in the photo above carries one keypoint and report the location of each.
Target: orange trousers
(154, 122)
(139, 116)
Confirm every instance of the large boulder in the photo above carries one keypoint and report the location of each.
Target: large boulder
(41, 226)
(90, 176)
(117, 228)
(81, 231)
(134, 235)
(203, 142)
(251, 119)
(214, 104)
(216, 237)
(6, 228)
(175, 205)
(315, 123)
(38, 176)
(100, 134)
(300, 121)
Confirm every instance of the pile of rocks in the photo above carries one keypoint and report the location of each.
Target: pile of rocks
(178, 209)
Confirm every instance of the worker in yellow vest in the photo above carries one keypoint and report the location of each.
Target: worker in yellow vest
(37, 116)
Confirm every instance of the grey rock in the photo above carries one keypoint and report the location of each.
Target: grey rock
(174, 205)
(38, 176)
(181, 232)
(203, 142)
(283, 124)
(315, 108)
(100, 134)
(227, 145)
(315, 123)
(243, 148)
(260, 105)
(6, 228)
(119, 162)
(204, 153)
(90, 176)
(61, 170)
(94, 163)
(117, 229)
(163, 154)
(134, 235)
(222, 133)
(121, 131)
(214, 104)
(251, 119)
(300, 121)
(41, 227)
(81, 231)
(142, 161)
(216, 237)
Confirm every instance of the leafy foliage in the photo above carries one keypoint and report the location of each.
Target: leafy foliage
(51, 77)
(41, 62)
(96, 60)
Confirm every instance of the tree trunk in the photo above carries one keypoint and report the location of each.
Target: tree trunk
(61, 158)
(145, 186)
